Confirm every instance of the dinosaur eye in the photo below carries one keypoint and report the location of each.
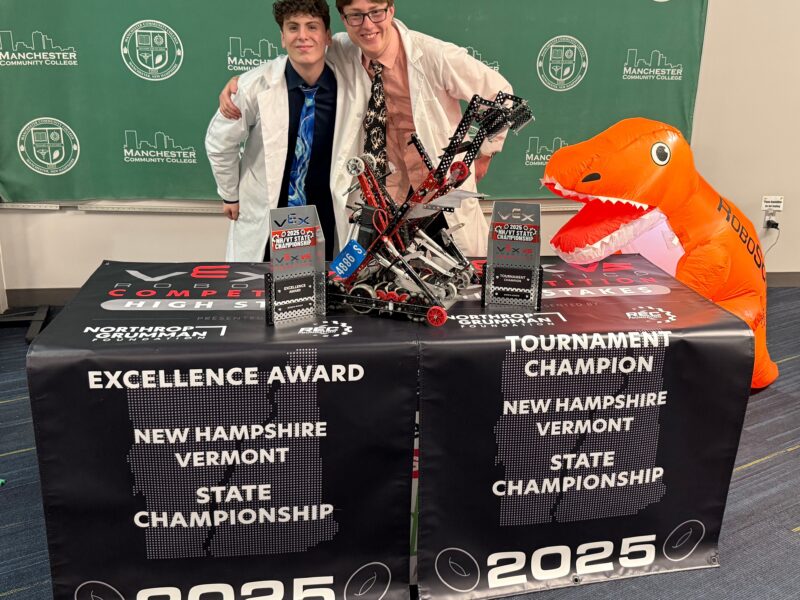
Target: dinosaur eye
(660, 153)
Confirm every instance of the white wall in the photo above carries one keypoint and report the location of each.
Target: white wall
(61, 248)
(3, 298)
(746, 129)
(747, 117)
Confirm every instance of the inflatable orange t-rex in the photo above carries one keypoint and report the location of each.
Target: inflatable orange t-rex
(639, 175)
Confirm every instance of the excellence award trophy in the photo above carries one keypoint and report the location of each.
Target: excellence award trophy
(295, 281)
(513, 272)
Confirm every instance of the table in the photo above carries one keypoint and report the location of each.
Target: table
(188, 451)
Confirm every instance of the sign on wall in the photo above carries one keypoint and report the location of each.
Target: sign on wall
(112, 101)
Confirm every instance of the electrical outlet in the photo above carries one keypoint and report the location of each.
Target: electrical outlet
(772, 204)
(770, 220)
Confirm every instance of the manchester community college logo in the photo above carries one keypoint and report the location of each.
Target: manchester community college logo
(539, 152)
(152, 50)
(241, 58)
(40, 52)
(657, 68)
(477, 56)
(48, 146)
(162, 149)
(562, 63)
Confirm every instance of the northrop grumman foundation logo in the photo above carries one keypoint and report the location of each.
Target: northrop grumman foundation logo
(562, 63)
(499, 320)
(48, 146)
(477, 56)
(155, 333)
(40, 52)
(654, 68)
(539, 152)
(152, 50)
(327, 329)
(162, 149)
(652, 314)
(241, 58)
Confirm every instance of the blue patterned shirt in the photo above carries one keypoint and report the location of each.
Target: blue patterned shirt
(318, 190)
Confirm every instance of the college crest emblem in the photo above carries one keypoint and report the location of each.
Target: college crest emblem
(48, 146)
(562, 63)
(152, 50)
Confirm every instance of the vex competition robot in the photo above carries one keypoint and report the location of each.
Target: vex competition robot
(395, 260)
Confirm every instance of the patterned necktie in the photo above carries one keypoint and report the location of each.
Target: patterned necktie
(375, 121)
(302, 149)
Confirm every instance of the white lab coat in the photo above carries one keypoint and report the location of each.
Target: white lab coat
(440, 74)
(254, 176)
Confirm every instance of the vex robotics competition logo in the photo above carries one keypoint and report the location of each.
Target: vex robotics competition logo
(152, 50)
(40, 52)
(562, 63)
(48, 146)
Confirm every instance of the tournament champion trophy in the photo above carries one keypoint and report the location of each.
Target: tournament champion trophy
(295, 280)
(513, 272)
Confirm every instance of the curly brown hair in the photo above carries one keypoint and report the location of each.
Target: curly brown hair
(341, 4)
(282, 9)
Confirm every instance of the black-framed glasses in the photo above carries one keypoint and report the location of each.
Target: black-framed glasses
(376, 16)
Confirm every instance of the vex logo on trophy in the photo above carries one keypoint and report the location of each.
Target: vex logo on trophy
(48, 146)
(294, 220)
(519, 214)
(152, 50)
(241, 58)
(41, 52)
(562, 63)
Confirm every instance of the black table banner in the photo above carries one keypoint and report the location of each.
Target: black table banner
(188, 451)
(591, 441)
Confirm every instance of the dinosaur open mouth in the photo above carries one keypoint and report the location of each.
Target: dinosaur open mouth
(603, 225)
